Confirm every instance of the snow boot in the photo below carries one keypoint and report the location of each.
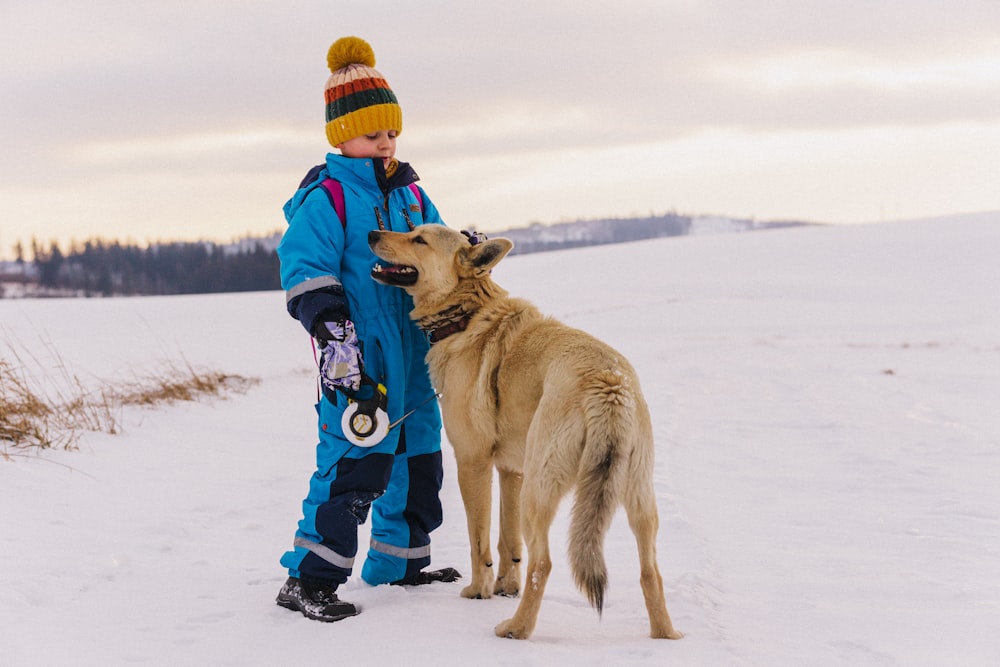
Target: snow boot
(315, 601)
(420, 578)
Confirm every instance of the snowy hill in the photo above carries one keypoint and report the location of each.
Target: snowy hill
(824, 402)
(583, 233)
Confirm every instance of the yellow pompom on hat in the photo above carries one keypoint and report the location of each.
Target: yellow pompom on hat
(358, 98)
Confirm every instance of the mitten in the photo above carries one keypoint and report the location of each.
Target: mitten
(340, 363)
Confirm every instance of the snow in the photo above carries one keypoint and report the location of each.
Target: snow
(827, 469)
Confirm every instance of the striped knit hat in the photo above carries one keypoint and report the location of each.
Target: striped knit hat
(358, 98)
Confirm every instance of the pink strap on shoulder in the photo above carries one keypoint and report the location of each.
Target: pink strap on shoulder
(336, 192)
(420, 197)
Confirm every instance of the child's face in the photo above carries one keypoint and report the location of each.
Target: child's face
(381, 144)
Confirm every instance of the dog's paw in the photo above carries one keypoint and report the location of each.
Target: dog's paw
(507, 587)
(668, 634)
(477, 592)
(511, 630)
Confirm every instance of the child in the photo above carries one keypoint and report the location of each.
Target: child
(373, 355)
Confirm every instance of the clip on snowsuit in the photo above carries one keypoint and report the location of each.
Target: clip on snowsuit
(325, 261)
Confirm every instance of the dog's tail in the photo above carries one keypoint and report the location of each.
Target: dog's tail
(609, 414)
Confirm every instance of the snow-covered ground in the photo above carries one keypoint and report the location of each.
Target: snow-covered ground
(828, 471)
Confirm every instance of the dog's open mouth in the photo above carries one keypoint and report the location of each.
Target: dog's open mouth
(398, 275)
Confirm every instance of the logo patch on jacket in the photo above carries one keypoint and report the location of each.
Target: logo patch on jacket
(414, 208)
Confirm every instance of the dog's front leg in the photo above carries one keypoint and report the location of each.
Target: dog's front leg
(475, 479)
(509, 545)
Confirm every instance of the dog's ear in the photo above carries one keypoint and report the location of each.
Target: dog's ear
(482, 257)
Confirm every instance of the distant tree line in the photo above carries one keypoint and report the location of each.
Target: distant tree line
(110, 268)
(580, 233)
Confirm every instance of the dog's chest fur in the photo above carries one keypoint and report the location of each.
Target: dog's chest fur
(469, 368)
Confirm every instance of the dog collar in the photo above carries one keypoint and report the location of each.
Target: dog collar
(449, 321)
(442, 332)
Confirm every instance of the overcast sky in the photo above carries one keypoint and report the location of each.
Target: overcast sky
(197, 118)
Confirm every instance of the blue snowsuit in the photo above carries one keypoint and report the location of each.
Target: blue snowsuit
(325, 271)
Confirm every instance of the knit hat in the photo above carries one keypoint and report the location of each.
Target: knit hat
(358, 98)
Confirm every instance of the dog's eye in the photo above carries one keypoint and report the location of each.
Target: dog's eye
(420, 240)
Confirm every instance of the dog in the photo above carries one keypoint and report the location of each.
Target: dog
(552, 408)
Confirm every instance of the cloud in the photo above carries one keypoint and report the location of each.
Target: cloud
(187, 150)
(526, 101)
(821, 70)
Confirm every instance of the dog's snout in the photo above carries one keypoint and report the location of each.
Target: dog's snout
(373, 237)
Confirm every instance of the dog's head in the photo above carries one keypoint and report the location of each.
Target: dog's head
(432, 260)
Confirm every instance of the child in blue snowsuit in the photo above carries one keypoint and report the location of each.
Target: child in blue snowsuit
(325, 270)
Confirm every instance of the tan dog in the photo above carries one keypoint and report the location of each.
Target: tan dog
(551, 407)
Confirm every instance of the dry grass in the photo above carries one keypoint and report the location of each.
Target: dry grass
(181, 384)
(52, 409)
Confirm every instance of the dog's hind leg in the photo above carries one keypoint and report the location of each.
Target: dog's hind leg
(640, 506)
(538, 508)
(509, 546)
(475, 480)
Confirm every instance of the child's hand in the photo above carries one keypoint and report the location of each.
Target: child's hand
(340, 365)
(475, 238)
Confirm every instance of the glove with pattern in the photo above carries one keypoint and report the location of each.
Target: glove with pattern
(340, 363)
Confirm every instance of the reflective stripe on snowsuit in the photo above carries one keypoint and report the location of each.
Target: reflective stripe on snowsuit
(399, 479)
